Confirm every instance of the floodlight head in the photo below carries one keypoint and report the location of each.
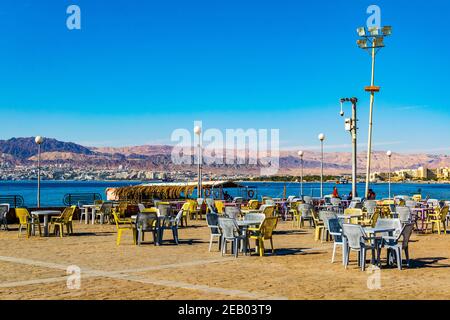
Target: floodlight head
(300, 153)
(362, 43)
(387, 31)
(374, 31)
(342, 113)
(361, 31)
(379, 42)
(389, 153)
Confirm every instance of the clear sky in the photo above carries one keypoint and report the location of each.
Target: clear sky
(137, 70)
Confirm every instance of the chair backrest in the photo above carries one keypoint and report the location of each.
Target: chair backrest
(219, 206)
(443, 214)
(141, 207)
(434, 203)
(390, 224)
(370, 206)
(353, 211)
(410, 203)
(146, 220)
(4, 209)
(308, 200)
(23, 215)
(253, 204)
(268, 226)
(325, 216)
(67, 214)
(238, 200)
(290, 198)
(232, 212)
(269, 202)
(355, 204)
(335, 228)
(228, 227)
(354, 234)
(258, 217)
(177, 220)
(305, 210)
(269, 211)
(209, 202)
(213, 222)
(405, 234)
(165, 210)
(106, 208)
(404, 214)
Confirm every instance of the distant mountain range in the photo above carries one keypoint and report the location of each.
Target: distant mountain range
(23, 151)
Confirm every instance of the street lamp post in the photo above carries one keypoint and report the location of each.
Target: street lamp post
(198, 132)
(371, 40)
(300, 154)
(39, 140)
(351, 126)
(389, 154)
(321, 138)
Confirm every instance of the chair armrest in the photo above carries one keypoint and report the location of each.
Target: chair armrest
(253, 229)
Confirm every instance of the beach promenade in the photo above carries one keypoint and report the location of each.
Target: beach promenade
(36, 268)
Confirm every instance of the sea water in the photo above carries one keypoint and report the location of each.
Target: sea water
(52, 192)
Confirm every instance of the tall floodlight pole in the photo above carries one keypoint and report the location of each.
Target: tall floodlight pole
(198, 132)
(351, 126)
(371, 40)
(389, 154)
(39, 140)
(300, 154)
(321, 138)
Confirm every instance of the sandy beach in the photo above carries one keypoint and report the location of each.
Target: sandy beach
(36, 268)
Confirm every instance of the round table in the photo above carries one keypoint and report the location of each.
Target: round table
(45, 214)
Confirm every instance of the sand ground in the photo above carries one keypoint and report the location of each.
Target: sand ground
(36, 268)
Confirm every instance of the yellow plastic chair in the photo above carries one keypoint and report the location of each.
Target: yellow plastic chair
(65, 219)
(269, 211)
(123, 225)
(370, 221)
(185, 214)
(219, 206)
(437, 218)
(417, 197)
(26, 221)
(193, 211)
(319, 227)
(264, 232)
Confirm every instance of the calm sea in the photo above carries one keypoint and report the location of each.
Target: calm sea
(52, 192)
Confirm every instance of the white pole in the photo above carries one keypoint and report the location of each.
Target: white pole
(369, 144)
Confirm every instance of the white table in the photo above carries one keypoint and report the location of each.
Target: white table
(45, 214)
(86, 208)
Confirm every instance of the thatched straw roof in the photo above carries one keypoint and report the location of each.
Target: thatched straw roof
(172, 190)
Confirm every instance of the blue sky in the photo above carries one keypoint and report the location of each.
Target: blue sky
(137, 70)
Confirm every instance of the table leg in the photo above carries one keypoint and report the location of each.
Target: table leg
(86, 211)
(46, 226)
(93, 215)
(32, 225)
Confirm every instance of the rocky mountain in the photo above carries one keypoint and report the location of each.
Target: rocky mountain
(24, 148)
(155, 157)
